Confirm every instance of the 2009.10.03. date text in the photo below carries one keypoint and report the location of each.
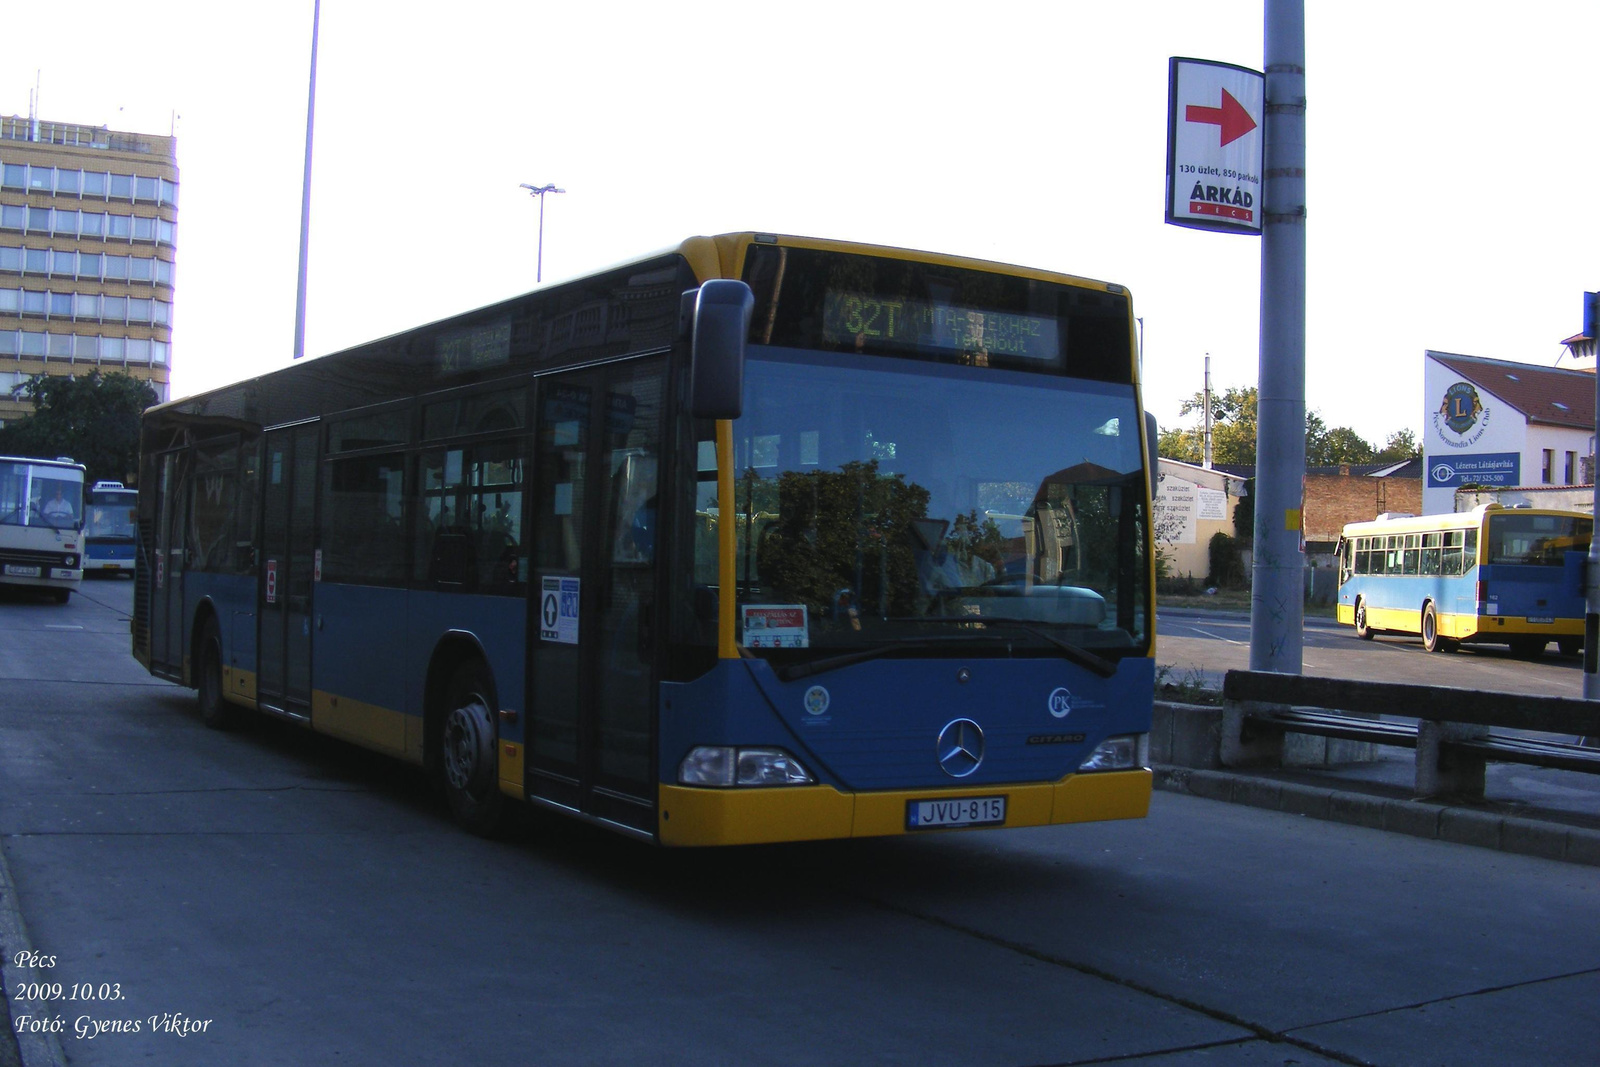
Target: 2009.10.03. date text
(48, 991)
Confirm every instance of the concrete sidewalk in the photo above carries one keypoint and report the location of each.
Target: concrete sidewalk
(1534, 811)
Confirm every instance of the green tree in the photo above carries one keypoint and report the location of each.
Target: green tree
(93, 419)
(1402, 445)
(1338, 445)
(1233, 435)
(1233, 428)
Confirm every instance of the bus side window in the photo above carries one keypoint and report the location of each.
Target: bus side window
(1450, 562)
(1430, 553)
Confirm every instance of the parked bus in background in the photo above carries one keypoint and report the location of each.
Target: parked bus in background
(41, 524)
(758, 539)
(108, 529)
(1493, 574)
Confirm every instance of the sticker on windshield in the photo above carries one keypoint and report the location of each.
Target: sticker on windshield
(775, 626)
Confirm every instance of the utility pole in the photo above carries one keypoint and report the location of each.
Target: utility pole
(1277, 602)
(305, 191)
(1205, 442)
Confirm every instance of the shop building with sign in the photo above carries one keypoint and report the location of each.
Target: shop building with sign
(1193, 504)
(1503, 431)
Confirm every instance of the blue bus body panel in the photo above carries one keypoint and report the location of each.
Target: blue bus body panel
(498, 624)
(875, 726)
(1531, 592)
(361, 651)
(1515, 592)
(233, 598)
(97, 553)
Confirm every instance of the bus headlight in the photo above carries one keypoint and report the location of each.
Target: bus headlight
(724, 765)
(1119, 754)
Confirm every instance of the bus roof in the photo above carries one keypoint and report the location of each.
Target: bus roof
(720, 256)
(36, 461)
(1457, 520)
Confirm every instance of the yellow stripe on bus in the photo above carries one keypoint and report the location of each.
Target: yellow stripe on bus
(370, 725)
(694, 816)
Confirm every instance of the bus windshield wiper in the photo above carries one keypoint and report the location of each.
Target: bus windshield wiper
(846, 659)
(1076, 653)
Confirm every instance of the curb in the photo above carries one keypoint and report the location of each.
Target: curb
(1442, 822)
(37, 1050)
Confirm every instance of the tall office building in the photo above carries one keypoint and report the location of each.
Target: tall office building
(88, 218)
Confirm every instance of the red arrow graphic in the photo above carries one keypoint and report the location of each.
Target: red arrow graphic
(1233, 119)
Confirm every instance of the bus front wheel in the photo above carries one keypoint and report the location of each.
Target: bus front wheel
(1363, 630)
(1430, 632)
(468, 762)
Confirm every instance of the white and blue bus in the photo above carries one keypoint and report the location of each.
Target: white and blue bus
(109, 526)
(41, 524)
(1491, 575)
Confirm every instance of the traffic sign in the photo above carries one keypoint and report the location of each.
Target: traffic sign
(1214, 145)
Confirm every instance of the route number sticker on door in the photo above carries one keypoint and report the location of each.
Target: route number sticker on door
(558, 610)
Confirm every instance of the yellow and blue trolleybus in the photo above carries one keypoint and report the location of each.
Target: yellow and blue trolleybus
(1490, 575)
(758, 539)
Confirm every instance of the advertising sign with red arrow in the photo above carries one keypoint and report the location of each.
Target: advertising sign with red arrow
(1214, 145)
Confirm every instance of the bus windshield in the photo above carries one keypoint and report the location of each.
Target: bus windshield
(33, 494)
(1539, 540)
(900, 501)
(111, 514)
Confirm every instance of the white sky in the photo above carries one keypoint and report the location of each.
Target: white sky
(1451, 160)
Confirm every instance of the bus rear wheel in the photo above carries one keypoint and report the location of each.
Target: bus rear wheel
(1363, 630)
(1430, 632)
(468, 764)
(1569, 646)
(215, 711)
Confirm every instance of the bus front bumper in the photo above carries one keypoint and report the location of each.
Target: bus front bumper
(695, 816)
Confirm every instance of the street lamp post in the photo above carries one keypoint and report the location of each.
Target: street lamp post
(539, 191)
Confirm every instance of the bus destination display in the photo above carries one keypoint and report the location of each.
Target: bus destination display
(475, 349)
(849, 318)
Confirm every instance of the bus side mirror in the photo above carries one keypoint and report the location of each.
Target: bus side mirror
(716, 364)
(1152, 434)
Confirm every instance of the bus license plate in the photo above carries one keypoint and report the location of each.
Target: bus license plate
(14, 570)
(962, 811)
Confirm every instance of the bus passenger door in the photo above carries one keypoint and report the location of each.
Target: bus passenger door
(591, 737)
(166, 561)
(283, 591)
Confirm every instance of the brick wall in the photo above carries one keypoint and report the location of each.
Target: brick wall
(1335, 499)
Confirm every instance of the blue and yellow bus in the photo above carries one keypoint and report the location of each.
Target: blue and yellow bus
(110, 515)
(758, 539)
(1490, 575)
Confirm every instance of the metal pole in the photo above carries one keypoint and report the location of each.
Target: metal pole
(1277, 602)
(540, 191)
(1591, 585)
(305, 191)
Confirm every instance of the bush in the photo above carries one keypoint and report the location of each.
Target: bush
(1179, 585)
(1227, 572)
